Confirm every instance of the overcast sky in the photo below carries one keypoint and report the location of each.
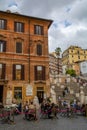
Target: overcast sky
(69, 16)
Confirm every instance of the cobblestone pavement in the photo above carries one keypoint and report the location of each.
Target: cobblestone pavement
(62, 123)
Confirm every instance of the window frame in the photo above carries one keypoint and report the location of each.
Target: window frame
(18, 50)
(22, 74)
(38, 30)
(41, 76)
(3, 24)
(2, 46)
(19, 27)
(39, 49)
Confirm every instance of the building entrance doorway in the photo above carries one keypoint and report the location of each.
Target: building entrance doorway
(18, 93)
(40, 94)
(1, 93)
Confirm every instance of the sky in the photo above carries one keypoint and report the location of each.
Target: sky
(69, 17)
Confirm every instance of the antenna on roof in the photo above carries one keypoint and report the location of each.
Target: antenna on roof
(8, 11)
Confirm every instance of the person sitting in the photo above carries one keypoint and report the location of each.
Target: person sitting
(1, 105)
(54, 111)
(32, 111)
(26, 109)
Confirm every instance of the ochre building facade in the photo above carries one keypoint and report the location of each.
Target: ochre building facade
(73, 56)
(24, 57)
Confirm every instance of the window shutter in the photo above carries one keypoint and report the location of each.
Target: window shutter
(5, 24)
(35, 72)
(34, 29)
(3, 71)
(43, 73)
(15, 26)
(4, 46)
(14, 71)
(22, 72)
(22, 27)
(42, 30)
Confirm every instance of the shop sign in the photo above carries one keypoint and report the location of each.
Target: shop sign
(29, 90)
(9, 97)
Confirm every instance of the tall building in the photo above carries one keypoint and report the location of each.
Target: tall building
(55, 67)
(72, 56)
(24, 57)
(55, 64)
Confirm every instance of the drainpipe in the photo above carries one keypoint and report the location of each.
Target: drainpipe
(29, 56)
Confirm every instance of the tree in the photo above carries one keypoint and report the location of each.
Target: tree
(57, 51)
(71, 72)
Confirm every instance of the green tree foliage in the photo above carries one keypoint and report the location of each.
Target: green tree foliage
(57, 51)
(71, 72)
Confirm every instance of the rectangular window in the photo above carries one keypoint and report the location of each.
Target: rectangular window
(18, 72)
(3, 24)
(18, 27)
(39, 72)
(2, 71)
(2, 46)
(39, 49)
(78, 57)
(18, 47)
(38, 29)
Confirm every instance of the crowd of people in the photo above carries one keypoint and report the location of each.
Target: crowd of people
(74, 107)
(47, 109)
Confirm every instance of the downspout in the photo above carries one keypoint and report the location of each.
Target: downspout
(29, 56)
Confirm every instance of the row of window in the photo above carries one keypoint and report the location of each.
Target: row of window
(19, 27)
(19, 47)
(18, 72)
(79, 57)
(78, 51)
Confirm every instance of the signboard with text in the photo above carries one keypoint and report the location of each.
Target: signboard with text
(29, 90)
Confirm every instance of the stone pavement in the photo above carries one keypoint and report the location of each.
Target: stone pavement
(62, 123)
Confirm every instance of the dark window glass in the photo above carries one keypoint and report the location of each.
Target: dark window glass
(2, 46)
(39, 73)
(18, 27)
(39, 49)
(18, 47)
(3, 24)
(38, 29)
